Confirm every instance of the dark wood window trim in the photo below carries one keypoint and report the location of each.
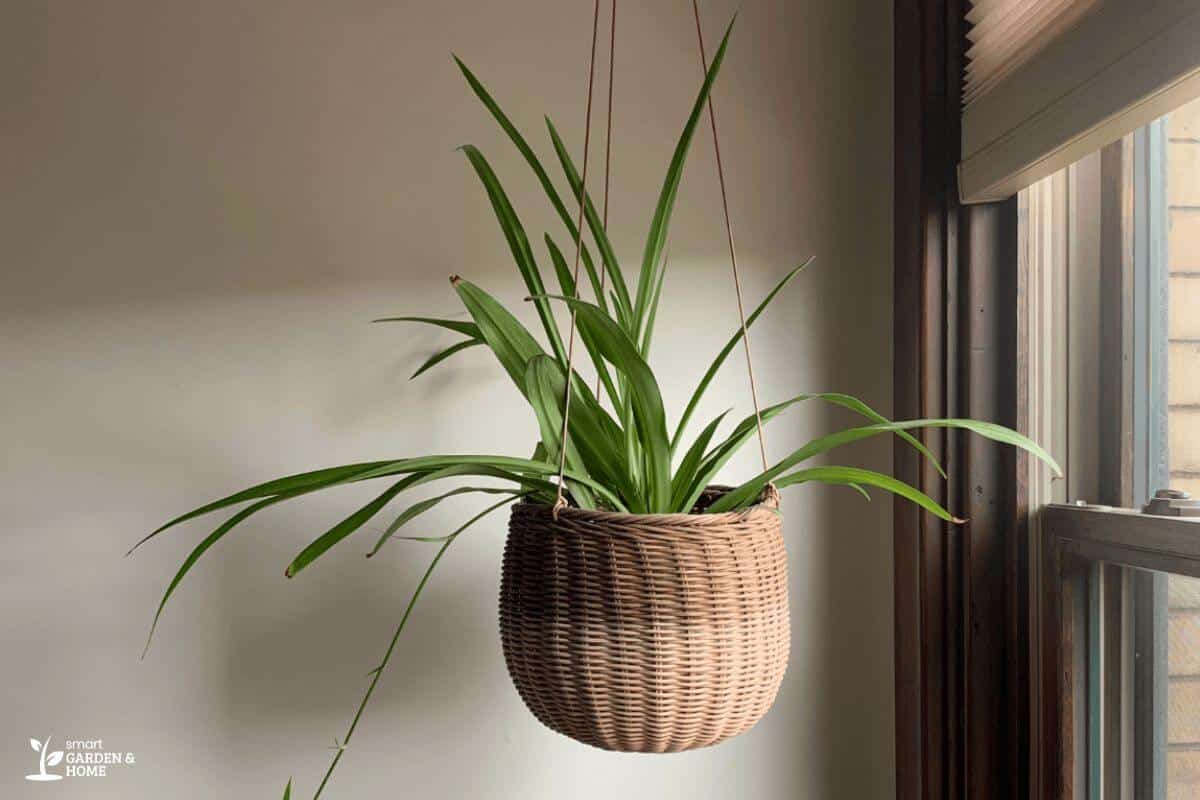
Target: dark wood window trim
(961, 593)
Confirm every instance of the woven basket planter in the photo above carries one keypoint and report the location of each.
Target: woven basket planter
(646, 633)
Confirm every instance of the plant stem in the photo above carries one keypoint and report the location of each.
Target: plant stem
(383, 665)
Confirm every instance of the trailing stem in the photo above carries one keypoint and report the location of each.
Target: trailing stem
(378, 671)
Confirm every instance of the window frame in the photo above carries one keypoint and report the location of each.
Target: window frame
(1096, 722)
(1079, 544)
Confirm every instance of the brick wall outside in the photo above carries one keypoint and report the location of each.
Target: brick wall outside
(1183, 401)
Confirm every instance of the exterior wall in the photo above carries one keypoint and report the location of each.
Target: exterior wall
(1183, 192)
(1183, 399)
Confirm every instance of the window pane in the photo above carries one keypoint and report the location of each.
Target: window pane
(1183, 687)
(1183, 302)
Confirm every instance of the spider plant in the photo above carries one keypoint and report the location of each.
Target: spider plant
(628, 459)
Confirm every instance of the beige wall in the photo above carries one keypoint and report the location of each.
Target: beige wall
(203, 204)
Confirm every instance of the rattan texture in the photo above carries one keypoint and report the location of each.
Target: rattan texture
(646, 633)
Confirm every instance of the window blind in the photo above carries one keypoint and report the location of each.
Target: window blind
(1048, 81)
(1004, 34)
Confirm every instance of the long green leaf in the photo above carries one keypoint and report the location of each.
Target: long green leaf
(747, 427)
(853, 476)
(319, 546)
(544, 179)
(488, 464)
(645, 397)
(518, 243)
(750, 489)
(685, 474)
(567, 282)
(592, 446)
(595, 224)
(702, 387)
(442, 355)
(315, 479)
(661, 222)
(468, 329)
(419, 508)
(450, 536)
(858, 406)
(652, 313)
(359, 518)
(203, 547)
(722, 452)
(545, 403)
(511, 343)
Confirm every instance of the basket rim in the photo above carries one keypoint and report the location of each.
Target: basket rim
(768, 501)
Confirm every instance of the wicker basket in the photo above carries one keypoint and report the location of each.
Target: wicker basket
(646, 633)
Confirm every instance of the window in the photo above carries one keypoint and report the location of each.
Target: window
(1111, 251)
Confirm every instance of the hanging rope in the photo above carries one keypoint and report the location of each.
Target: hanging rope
(560, 501)
(612, 50)
(737, 283)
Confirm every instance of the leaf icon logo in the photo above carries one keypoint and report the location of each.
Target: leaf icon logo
(46, 760)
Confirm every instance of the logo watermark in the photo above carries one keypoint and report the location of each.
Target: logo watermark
(45, 759)
(80, 758)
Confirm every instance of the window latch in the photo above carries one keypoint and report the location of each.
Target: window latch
(1172, 503)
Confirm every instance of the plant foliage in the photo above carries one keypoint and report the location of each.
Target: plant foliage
(628, 459)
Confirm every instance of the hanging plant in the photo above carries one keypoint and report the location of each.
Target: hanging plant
(642, 608)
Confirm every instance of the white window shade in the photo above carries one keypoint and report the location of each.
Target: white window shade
(1049, 81)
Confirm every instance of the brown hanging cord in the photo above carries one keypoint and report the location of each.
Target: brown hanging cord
(612, 50)
(559, 501)
(737, 283)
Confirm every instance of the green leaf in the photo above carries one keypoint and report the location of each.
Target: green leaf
(657, 237)
(859, 407)
(685, 475)
(287, 792)
(853, 476)
(204, 545)
(319, 546)
(595, 224)
(417, 509)
(518, 243)
(359, 518)
(702, 387)
(546, 404)
(453, 534)
(468, 329)
(644, 396)
(305, 480)
(508, 338)
(567, 282)
(593, 438)
(721, 454)
(750, 489)
(747, 427)
(488, 464)
(652, 314)
(543, 178)
(442, 355)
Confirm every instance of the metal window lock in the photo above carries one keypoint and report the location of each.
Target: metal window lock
(1172, 503)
